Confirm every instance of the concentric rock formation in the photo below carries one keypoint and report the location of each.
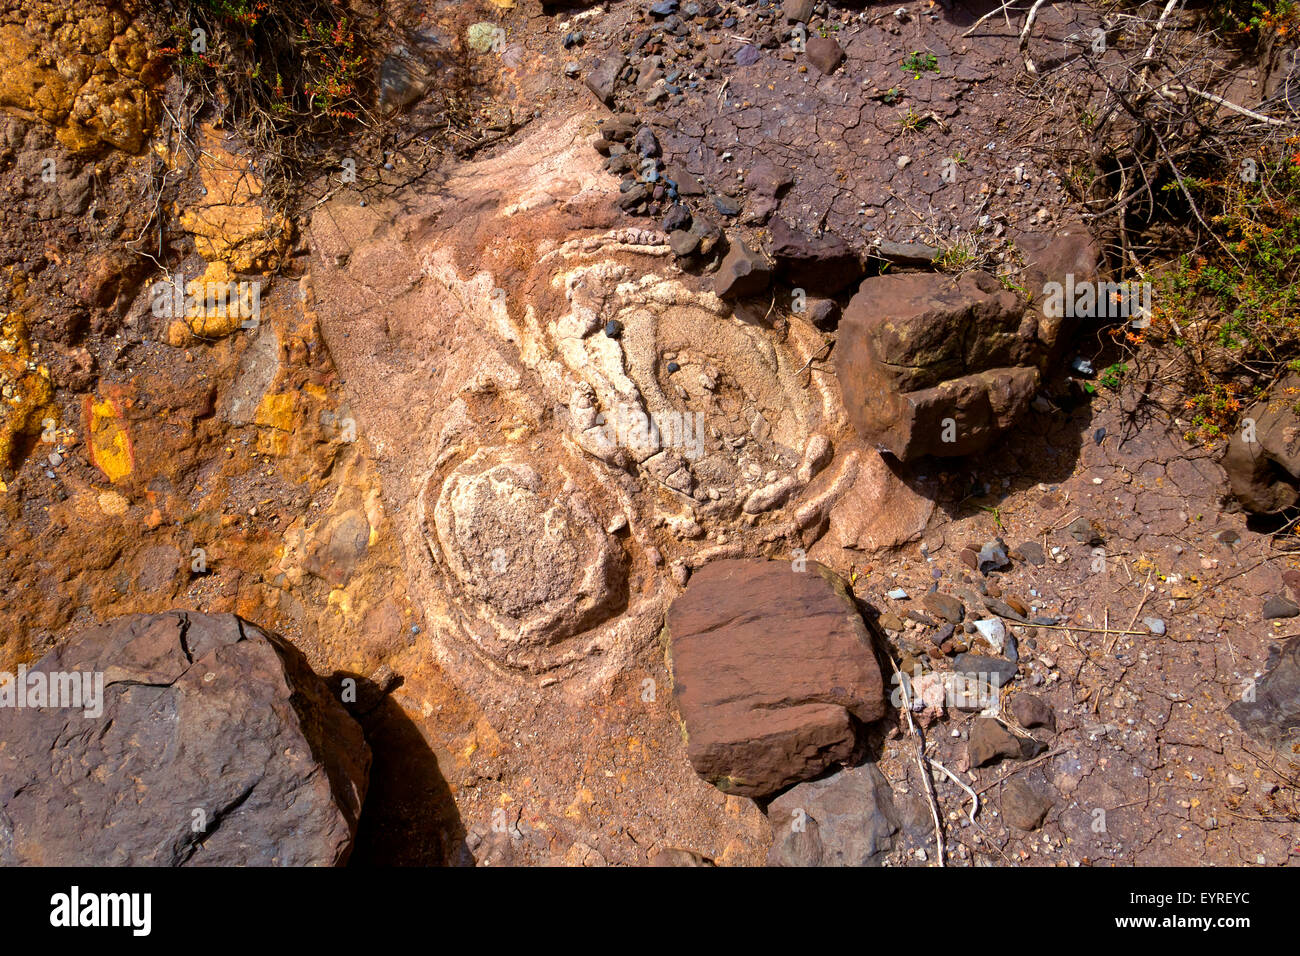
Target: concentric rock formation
(568, 423)
(212, 743)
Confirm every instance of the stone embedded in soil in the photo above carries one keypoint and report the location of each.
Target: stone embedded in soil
(990, 742)
(1265, 474)
(945, 606)
(747, 55)
(743, 273)
(909, 255)
(676, 856)
(1273, 717)
(993, 557)
(986, 668)
(798, 11)
(677, 218)
(820, 265)
(646, 143)
(930, 365)
(773, 673)
(1277, 607)
(824, 53)
(1032, 711)
(1085, 531)
(848, 819)
(726, 206)
(824, 314)
(204, 718)
(683, 242)
(1032, 552)
(767, 182)
(603, 78)
(1004, 609)
(1023, 807)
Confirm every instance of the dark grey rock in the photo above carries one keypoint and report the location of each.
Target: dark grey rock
(684, 243)
(989, 667)
(1032, 552)
(1003, 609)
(634, 196)
(726, 206)
(1280, 607)
(1273, 715)
(824, 314)
(678, 217)
(990, 742)
(646, 143)
(216, 746)
(907, 254)
(847, 819)
(1085, 532)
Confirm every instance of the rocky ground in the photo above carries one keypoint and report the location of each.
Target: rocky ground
(425, 464)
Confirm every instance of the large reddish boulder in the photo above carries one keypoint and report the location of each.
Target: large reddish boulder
(930, 364)
(773, 673)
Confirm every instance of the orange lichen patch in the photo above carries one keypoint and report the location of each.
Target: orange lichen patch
(25, 392)
(229, 225)
(275, 420)
(83, 78)
(216, 304)
(108, 439)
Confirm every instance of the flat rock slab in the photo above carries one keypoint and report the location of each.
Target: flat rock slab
(212, 743)
(773, 672)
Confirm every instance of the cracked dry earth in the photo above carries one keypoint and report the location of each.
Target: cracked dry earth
(423, 467)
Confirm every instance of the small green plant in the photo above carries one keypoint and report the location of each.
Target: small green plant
(1240, 300)
(911, 121)
(959, 257)
(918, 63)
(1113, 375)
(1012, 286)
(997, 516)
